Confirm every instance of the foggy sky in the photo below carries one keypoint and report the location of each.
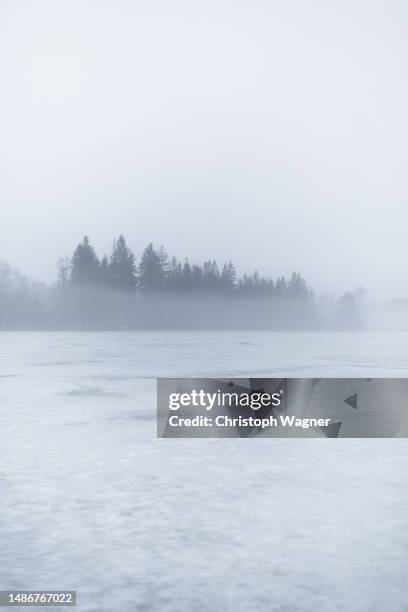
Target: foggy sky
(271, 132)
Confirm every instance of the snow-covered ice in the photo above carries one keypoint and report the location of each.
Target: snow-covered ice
(91, 501)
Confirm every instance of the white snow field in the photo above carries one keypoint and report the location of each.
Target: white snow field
(91, 501)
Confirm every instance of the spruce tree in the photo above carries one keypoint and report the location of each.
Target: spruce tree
(211, 275)
(151, 275)
(85, 265)
(228, 277)
(187, 276)
(105, 271)
(122, 268)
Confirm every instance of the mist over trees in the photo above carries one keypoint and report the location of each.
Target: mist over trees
(158, 273)
(22, 302)
(161, 292)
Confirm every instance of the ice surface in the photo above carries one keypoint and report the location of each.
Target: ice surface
(91, 501)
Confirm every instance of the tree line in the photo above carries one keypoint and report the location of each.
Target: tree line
(160, 292)
(156, 273)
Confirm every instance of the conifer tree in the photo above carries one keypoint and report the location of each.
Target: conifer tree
(85, 265)
(122, 268)
(228, 277)
(187, 276)
(211, 275)
(196, 277)
(151, 274)
(105, 271)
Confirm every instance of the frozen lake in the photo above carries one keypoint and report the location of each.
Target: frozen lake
(91, 501)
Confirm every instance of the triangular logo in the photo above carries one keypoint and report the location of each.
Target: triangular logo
(332, 430)
(352, 401)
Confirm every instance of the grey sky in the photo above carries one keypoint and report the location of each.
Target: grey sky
(273, 133)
